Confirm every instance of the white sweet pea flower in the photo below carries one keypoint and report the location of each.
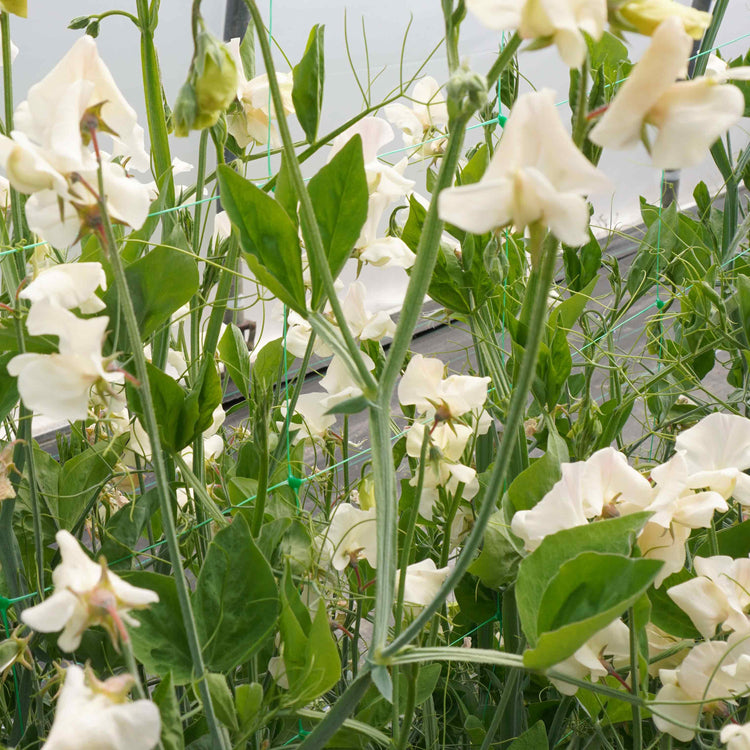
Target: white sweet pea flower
(351, 536)
(420, 122)
(423, 385)
(611, 642)
(719, 445)
(339, 382)
(381, 251)
(381, 178)
(444, 468)
(666, 544)
(560, 22)
(79, 84)
(95, 715)
(694, 687)
(251, 123)
(736, 736)
(298, 334)
(536, 177)
(69, 285)
(719, 595)
(422, 581)
(604, 485)
(315, 420)
(85, 594)
(74, 370)
(365, 325)
(688, 115)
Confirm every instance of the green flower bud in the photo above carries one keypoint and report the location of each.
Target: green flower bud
(467, 92)
(210, 89)
(644, 16)
(16, 7)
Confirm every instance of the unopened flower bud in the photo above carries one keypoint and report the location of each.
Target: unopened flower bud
(467, 92)
(644, 16)
(210, 89)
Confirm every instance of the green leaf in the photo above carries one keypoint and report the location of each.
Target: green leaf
(615, 536)
(534, 482)
(534, 738)
(160, 283)
(733, 541)
(381, 678)
(126, 527)
(82, 476)
(8, 387)
(247, 52)
(340, 198)
(497, 563)
(665, 614)
(309, 75)
(236, 601)
(311, 657)
(169, 708)
(587, 593)
(248, 700)
(350, 406)
(268, 237)
(234, 354)
(268, 363)
(160, 643)
(223, 702)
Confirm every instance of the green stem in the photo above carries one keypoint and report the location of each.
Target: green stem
(411, 525)
(157, 119)
(411, 702)
(635, 683)
(509, 691)
(13, 272)
(160, 470)
(516, 412)
(199, 490)
(339, 712)
(507, 53)
(195, 305)
(310, 229)
(260, 437)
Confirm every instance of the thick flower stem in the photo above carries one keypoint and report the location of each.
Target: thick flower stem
(14, 272)
(635, 683)
(516, 412)
(310, 229)
(160, 471)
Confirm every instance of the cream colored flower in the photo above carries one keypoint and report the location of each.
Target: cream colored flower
(559, 22)
(423, 386)
(719, 595)
(86, 594)
(422, 124)
(537, 177)
(69, 285)
(422, 581)
(351, 536)
(736, 736)
(612, 642)
(95, 715)
(687, 115)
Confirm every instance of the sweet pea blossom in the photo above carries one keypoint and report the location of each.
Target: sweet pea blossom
(422, 581)
(736, 736)
(77, 366)
(702, 679)
(423, 386)
(719, 595)
(604, 485)
(69, 285)
(537, 177)
(419, 123)
(444, 467)
(351, 536)
(559, 22)
(716, 449)
(85, 594)
(365, 325)
(47, 156)
(688, 115)
(251, 123)
(612, 641)
(96, 715)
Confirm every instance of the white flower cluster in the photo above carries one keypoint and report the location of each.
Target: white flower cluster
(58, 385)
(706, 470)
(49, 156)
